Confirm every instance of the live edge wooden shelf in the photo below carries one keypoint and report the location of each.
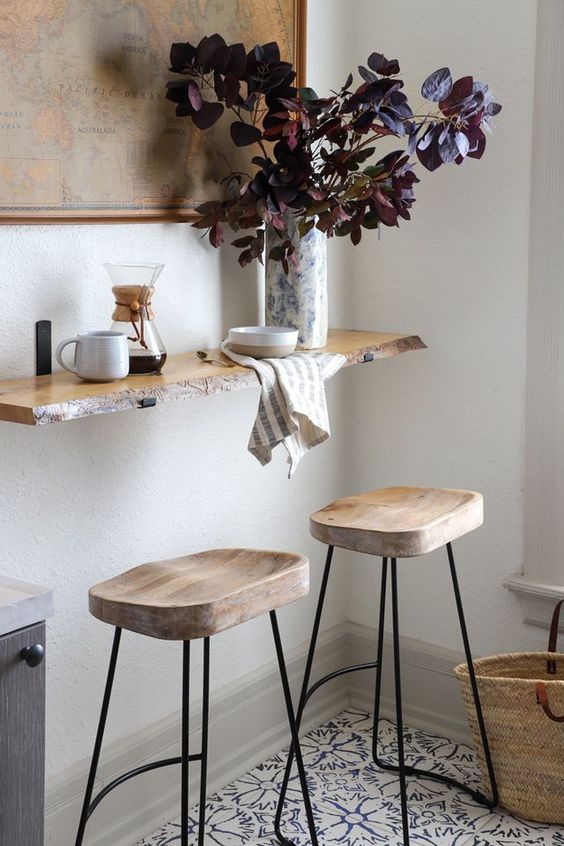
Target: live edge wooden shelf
(53, 399)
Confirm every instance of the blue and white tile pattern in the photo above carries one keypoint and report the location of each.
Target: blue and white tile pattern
(356, 804)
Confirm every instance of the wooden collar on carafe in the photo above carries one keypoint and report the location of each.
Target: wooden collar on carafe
(133, 304)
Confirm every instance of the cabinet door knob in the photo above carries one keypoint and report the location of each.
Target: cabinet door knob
(33, 655)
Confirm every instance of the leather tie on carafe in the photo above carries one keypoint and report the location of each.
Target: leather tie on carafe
(138, 309)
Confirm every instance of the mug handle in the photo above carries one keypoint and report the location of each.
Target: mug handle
(59, 354)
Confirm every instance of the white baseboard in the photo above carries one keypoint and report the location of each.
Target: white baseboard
(248, 724)
(430, 691)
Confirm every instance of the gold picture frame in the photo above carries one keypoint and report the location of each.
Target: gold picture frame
(24, 170)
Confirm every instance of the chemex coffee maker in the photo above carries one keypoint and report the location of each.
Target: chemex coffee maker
(133, 286)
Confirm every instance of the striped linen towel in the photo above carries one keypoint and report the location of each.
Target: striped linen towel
(292, 407)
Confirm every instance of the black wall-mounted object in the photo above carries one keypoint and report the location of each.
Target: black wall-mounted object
(43, 360)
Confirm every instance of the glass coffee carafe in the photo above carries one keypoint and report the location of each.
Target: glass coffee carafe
(133, 286)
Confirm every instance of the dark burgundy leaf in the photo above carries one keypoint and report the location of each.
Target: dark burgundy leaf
(184, 110)
(305, 226)
(438, 85)
(348, 82)
(277, 253)
(364, 122)
(356, 236)
(237, 60)
(474, 135)
(221, 58)
(430, 156)
(260, 187)
(207, 49)
(385, 67)
(343, 229)
(206, 222)
(181, 55)
(209, 208)
(218, 85)
(243, 242)
(285, 195)
(244, 134)
(245, 258)
(398, 101)
(209, 114)
(388, 214)
(363, 155)
(260, 162)
(371, 220)
(366, 74)
(216, 235)
(177, 91)
(479, 151)
(461, 89)
(232, 89)
(271, 52)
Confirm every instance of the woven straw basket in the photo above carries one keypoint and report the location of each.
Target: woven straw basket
(521, 696)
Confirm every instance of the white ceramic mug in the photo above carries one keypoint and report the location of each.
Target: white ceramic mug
(98, 356)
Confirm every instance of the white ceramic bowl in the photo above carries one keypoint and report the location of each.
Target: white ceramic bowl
(263, 341)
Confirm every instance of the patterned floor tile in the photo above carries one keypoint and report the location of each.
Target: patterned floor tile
(358, 804)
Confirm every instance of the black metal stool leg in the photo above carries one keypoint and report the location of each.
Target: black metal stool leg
(205, 736)
(185, 766)
(379, 656)
(304, 691)
(399, 708)
(293, 728)
(473, 682)
(99, 738)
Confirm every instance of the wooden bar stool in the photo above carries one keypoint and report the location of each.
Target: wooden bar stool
(395, 523)
(192, 598)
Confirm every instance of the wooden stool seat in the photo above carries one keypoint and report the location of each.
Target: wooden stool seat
(398, 522)
(198, 595)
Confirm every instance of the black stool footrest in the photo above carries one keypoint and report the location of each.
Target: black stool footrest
(415, 771)
(371, 665)
(154, 765)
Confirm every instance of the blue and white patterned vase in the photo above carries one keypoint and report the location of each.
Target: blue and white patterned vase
(299, 298)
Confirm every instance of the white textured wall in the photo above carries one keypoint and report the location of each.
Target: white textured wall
(85, 500)
(456, 274)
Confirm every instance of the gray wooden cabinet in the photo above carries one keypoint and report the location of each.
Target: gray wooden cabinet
(22, 738)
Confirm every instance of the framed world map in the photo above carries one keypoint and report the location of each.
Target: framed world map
(86, 133)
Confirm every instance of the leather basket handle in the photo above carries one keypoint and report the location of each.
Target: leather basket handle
(542, 699)
(553, 639)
